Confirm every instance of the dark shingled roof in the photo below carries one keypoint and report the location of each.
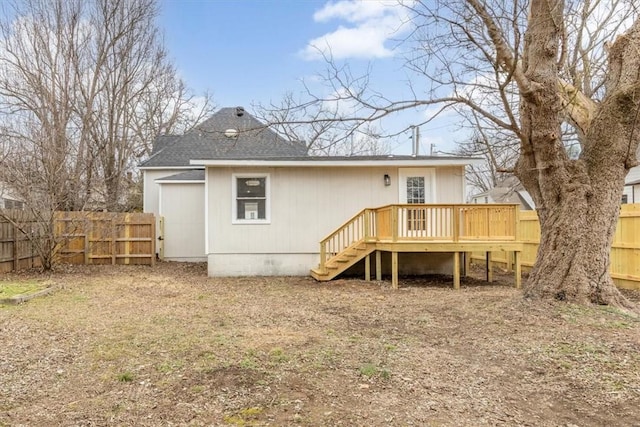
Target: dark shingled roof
(208, 141)
(193, 175)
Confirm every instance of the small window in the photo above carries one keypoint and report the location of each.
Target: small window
(12, 204)
(415, 189)
(625, 199)
(251, 199)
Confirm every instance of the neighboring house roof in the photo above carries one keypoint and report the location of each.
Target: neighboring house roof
(636, 182)
(230, 133)
(509, 190)
(188, 176)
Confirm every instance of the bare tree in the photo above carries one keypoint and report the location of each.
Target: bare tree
(588, 26)
(322, 127)
(85, 87)
(134, 95)
(532, 70)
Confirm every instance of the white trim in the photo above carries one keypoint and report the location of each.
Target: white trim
(160, 181)
(428, 173)
(160, 203)
(234, 204)
(340, 163)
(169, 167)
(206, 211)
(464, 185)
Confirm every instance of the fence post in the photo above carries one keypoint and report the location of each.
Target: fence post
(153, 240)
(127, 236)
(16, 259)
(517, 222)
(113, 241)
(87, 236)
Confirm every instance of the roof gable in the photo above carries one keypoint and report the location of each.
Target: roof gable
(230, 133)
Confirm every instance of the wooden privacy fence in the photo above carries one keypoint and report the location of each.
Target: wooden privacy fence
(17, 250)
(625, 251)
(83, 238)
(105, 238)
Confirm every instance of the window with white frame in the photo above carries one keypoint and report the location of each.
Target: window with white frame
(415, 189)
(251, 199)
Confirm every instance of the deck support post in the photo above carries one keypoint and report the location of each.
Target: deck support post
(378, 266)
(465, 263)
(517, 269)
(394, 270)
(510, 261)
(489, 268)
(367, 268)
(456, 270)
(468, 256)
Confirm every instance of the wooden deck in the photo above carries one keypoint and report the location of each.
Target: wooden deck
(454, 229)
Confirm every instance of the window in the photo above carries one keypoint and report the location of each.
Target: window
(415, 194)
(251, 194)
(12, 204)
(625, 199)
(415, 189)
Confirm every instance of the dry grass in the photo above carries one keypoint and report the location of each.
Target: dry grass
(168, 346)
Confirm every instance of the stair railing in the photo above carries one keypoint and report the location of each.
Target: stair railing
(360, 228)
(454, 223)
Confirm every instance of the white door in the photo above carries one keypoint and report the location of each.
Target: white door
(417, 186)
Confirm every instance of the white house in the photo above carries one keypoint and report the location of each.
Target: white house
(631, 192)
(8, 200)
(509, 190)
(234, 193)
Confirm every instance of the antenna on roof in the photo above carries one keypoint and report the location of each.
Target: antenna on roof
(239, 111)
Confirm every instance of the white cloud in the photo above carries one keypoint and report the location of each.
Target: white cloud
(365, 30)
(352, 11)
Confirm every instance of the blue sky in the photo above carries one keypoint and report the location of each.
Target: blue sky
(254, 51)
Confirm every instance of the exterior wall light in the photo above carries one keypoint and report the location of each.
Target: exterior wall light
(387, 180)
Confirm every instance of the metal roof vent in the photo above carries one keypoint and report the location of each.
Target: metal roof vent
(239, 111)
(231, 133)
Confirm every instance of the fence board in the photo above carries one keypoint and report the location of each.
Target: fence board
(16, 249)
(106, 238)
(625, 251)
(85, 238)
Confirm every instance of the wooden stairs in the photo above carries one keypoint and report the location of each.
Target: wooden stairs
(343, 260)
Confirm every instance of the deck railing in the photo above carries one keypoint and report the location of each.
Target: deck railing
(432, 222)
(361, 227)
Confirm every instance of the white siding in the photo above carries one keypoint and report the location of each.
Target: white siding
(632, 176)
(306, 205)
(632, 192)
(151, 189)
(450, 185)
(151, 192)
(182, 206)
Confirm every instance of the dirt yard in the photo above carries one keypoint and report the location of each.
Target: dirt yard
(166, 346)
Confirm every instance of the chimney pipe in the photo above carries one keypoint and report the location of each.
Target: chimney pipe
(416, 141)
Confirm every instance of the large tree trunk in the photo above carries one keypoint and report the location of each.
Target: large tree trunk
(578, 201)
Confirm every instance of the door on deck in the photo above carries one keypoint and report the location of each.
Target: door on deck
(416, 186)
